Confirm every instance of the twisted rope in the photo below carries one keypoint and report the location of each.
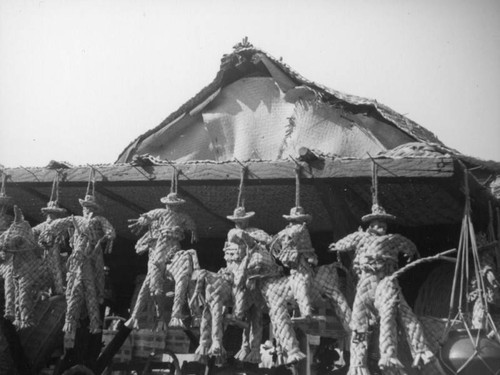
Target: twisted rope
(244, 172)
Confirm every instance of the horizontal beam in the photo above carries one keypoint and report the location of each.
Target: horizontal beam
(231, 171)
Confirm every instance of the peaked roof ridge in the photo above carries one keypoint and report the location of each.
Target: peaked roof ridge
(244, 51)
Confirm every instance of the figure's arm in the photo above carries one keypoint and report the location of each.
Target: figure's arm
(406, 247)
(136, 225)
(53, 230)
(109, 233)
(348, 243)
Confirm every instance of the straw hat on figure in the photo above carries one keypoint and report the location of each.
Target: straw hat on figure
(53, 253)
(377, 296)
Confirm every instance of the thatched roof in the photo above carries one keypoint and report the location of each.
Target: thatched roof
(247, 62)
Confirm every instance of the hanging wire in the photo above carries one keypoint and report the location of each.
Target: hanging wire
(91, 182)
(241, 199)
(298, 169)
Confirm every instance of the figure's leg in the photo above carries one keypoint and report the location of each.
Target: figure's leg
(219, 291)
(361, 320)
(201, 353)
(386, 302)
(140, 303)
(274, 292)
(9, 289)
(419, 346)
(54, 265)
(300, 284)
(181, 269)
(75, 301)
(327, 282)
(91, 301)
(255, 335)
(99, 276)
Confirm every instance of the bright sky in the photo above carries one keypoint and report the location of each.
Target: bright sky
(79, 80)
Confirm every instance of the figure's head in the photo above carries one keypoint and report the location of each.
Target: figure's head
(240, 217)
(89, 205)
(378, 220)
(378, 227)
(53, 211)
(298, 216)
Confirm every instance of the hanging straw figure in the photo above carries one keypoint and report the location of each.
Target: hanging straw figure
(29, 272)
(6, 257)
(308, 284)
(166, 228)
(53, 254)
(490, 270)
(245, 253)
(379, 298)
(470, 350)
(92, 234)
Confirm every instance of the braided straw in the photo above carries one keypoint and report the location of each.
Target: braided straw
(201, 353)
(181, 270)
(326, 283)
(362, 319)
(252, 337)
(274, 292)
(386, 302)
(9, 288)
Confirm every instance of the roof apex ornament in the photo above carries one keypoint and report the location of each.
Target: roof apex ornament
(243, 44)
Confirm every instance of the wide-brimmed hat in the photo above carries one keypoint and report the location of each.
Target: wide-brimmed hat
(90, 202)
(53, 208)
(172, 199)
(299, 214)
(240, 214)
(378, 213)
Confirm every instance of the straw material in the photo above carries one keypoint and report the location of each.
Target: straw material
(180, 270)
(56, 267)
(166, 261)
(85, 278)
(24, 272)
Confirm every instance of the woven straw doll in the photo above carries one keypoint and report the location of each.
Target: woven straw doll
(162, 241)
(491, 275)
(85, 278)
(5, 257)
(28, 269)
(53, 254)
(376, 256)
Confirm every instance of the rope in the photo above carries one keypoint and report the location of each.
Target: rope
(91, 181)
(243, 175)
(297, 185)
(374, 183)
